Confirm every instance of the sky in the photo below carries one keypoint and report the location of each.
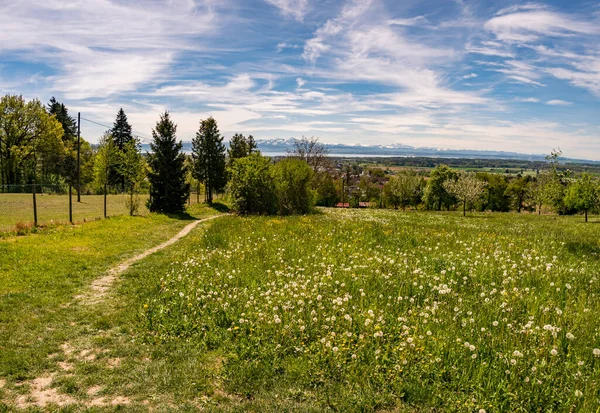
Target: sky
(485, 75)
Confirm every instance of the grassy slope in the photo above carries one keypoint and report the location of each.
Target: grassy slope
(171, 365)
(40, 274)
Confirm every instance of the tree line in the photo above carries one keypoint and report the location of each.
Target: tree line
(38, 144)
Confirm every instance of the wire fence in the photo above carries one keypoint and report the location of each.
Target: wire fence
(49, 205)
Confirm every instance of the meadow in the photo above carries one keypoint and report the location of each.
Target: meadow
(342, 310)
(360, 311)
(16, 210)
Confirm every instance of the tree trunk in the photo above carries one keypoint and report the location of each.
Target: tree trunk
(198, 193)
(586, 218)
(464, 208)
(105, 190)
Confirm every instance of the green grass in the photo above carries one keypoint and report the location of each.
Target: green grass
(345, 310)
(41, 273)
(17, 209)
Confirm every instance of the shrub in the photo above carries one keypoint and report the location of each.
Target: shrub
(252, 186)
(293, 179)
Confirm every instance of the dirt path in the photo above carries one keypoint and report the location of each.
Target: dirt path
(42, 391)
(100, 286)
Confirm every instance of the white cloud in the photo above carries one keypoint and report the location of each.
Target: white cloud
(528, 23)
(528, 100)
(413, 21)
(470, 76)
(300, 82)
(558, 102)
(521, 72)
(103, 47)
(586, 79)
(295, 9)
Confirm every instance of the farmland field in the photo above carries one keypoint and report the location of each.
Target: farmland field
(54, 209)
(351, 310)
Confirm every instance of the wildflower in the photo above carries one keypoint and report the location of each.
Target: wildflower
(578, 393)
(596, 352)
(570, 336)
(553, 352)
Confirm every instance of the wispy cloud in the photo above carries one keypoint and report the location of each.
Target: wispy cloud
(528, 23)
(558, 102)
(446, 74)
(296, 9)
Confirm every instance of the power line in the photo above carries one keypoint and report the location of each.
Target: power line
(137, 135)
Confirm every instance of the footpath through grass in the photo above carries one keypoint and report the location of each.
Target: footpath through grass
(41, 273)
(339, 311)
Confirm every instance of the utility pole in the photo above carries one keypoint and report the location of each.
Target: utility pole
(78, 156)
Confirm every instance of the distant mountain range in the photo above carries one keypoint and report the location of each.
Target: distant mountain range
(279, 147)
(337, 149)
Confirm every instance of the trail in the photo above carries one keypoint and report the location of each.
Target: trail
(42, 391)
(100, 286)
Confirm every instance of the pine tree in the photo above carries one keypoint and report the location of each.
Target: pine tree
(168, 188)
(121, 130)
(121, 135)
(208, 152)
(64, 163)
(240, 147)
(61, 113)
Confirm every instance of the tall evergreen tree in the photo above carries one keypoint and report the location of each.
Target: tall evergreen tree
(168, 188)
(121, 130)
(240, 147)
(208, 152)
(121, 135)
(69, 124)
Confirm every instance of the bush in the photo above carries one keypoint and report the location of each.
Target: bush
(326, 191)
(252, 187)
(293, 179)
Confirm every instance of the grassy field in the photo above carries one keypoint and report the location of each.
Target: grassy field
(41, 273)
(345, 310)
(17, 209)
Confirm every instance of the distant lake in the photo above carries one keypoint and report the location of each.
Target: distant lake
(345, 155)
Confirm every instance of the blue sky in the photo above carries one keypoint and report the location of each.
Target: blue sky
(460, 74)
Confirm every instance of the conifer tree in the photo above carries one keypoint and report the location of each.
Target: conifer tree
(168, 187)
(121, 130)
(69, 124)
(208, 152)
(121, 135)
(240, 147)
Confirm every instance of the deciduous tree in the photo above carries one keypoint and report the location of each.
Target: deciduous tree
(29, 139)
(252, 187)
(467, 189)
(293, 178)
(401, 190)
(582, 195)
(311, 151)
(435, 195)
